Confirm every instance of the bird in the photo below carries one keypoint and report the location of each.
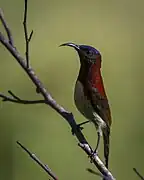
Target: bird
(90, 96)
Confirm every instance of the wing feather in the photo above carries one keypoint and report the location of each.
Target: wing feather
(100, 104)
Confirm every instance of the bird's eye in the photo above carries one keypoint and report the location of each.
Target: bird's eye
(89, 52)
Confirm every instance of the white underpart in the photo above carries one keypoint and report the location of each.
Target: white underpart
(84, 106)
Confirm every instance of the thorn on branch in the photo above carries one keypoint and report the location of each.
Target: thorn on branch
(30, 36)
(37, 160)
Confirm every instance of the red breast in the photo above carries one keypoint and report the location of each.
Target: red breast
(96, 79)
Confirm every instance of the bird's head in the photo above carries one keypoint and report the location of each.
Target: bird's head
(87, 54)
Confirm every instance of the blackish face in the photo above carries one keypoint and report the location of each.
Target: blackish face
(87, 54)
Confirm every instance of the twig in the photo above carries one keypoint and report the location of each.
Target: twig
(139, 175)
(16, 99)
(13, 95)
(27, 39)
(9, 34)
(50, 101)
(37, 160)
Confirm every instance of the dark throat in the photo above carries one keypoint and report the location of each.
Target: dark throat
(83, 72)
(90, 72)
(87, 70)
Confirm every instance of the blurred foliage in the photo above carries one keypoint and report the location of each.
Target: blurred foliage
(116, 29)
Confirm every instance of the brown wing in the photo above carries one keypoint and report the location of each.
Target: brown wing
(100, 104)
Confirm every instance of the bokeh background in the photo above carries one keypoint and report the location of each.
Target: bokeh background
(116, 29)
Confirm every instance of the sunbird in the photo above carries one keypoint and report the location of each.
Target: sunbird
(89, 95)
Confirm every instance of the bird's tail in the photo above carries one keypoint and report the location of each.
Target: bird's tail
(106, 135)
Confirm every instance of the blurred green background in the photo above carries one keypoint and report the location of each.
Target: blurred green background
(116, 29)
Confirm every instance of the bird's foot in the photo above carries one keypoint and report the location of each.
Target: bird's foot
(92, 155)
(78, 128)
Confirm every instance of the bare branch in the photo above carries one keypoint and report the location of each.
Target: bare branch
(9, 34)
(16, 99)
(27, 39)
(37, 160)
(139, 175)
(51, 102)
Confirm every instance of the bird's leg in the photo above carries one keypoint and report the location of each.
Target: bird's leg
(95, 152)
(98, 143)
(85, 122)
(79, 126)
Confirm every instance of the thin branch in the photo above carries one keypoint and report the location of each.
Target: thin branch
(139, 175)
(38, 161)
(9, 34)
(13, 95)
(51, 102)
(27, 39)
(16, 99)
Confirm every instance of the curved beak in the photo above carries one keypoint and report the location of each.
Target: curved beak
(71, 45)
